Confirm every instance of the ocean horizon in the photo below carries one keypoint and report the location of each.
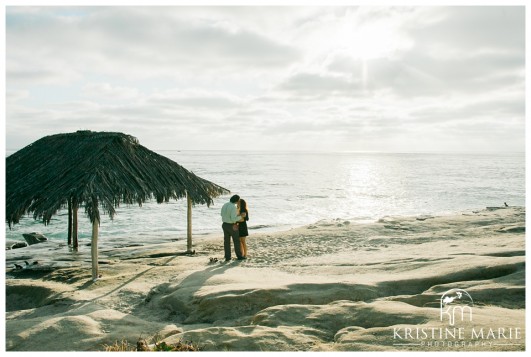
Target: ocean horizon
(291, 189)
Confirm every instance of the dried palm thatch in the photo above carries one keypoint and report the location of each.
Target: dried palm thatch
(97, 170)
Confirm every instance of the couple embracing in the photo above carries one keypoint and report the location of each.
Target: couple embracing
(235, 216)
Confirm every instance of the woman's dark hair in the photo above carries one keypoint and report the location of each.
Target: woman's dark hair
(235, 198)
(243, 205)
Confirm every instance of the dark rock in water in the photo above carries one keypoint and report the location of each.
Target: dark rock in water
(495, 208)
(514, 229)
(19, 245)
(423, 217)
(9, 243)
(34, 238)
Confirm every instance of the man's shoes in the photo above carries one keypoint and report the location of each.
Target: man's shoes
(228, 260)
(242, 258)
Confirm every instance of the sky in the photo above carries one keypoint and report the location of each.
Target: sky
(304, 78)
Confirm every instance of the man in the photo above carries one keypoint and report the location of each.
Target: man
(229, 215)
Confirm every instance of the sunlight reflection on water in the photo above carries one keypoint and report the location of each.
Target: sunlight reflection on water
(292, 189)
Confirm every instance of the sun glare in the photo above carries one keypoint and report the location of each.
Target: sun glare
(367, 42)
(370, 41)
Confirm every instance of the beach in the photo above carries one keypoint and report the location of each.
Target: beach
(335, 285)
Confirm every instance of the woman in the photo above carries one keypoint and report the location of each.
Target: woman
(242, 207)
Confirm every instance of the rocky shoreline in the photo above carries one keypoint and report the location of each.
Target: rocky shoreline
(330, 286)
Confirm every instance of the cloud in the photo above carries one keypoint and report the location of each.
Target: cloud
(202, 99)
(109, 92)
(318, 85)
(464, 29)
(133, 42)
(16, 95)
(305, 78)
(417, 74)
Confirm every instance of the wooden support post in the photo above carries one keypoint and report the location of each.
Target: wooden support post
(189, 225)
(75, 243)
(94, 249)
(70, 221)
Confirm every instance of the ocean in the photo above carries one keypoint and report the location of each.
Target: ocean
(285, 190)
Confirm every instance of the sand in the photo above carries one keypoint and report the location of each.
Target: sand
(331, 286)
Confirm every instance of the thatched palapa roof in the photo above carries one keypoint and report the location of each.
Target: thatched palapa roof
(99, 170)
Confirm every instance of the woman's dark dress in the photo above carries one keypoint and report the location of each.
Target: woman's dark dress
(243, 225)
